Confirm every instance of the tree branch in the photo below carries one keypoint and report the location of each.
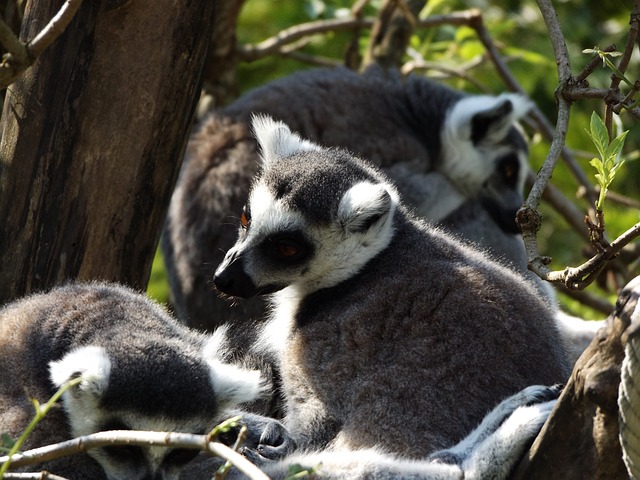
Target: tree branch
(128, 437)
(273, 45)
(44, 475)
(582, 276)
(21, 56)
(53, 29)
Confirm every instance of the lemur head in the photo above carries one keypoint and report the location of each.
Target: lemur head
(314, 217)
(166, 387)
(484, 154)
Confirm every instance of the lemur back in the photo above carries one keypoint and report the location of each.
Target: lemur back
(387, 331)
(141, 370)
(456, 159)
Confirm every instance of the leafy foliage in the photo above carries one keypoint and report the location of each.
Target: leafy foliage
(610, 160)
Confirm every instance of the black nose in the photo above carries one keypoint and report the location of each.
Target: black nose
(231, 279)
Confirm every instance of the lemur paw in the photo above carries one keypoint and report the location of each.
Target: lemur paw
(267, 439)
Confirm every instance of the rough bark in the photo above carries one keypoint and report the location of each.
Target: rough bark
(580, 439)
(92, 139)
(391, 33)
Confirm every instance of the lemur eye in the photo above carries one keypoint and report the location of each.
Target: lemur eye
(287, 249)
(509, 171)
(245, 218)
(509, 168)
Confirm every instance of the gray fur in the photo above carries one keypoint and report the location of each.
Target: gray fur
(395, 123)
(393, 335)
(141, 369)
(492, 450)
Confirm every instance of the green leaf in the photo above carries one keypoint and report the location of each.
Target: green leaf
(597, 163)
(598, 134)
(615, 147)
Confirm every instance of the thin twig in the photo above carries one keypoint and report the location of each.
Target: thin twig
(582, 276)
(579, 92)
(54, 28)
(128, 437)
(414, 65)
(528, 217)
(21, 56)
(12, 43)
(592, 65)
(272, 45)
(44, 475)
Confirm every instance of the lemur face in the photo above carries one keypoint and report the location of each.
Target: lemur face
(313, 218)
(485, 156)
(134, 388)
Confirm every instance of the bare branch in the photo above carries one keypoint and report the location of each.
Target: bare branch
(44, 475)
(582, 276)
(21, 56)
(273, 45)
(528, 217)
(592, 65)
(460, 72)
(574, 92)
(12, 43)
(54, 28)
(128, 437)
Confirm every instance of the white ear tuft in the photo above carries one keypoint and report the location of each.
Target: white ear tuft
(484, 118)
(91, 363)
(364, 204)
(231, 384)
(276, 139)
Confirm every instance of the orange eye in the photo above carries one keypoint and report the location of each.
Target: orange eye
(287, 250)
(245, 218)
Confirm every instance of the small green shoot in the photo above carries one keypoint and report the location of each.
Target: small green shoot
(41, 412)
(225, 427)
(610, 160)
(605, 56)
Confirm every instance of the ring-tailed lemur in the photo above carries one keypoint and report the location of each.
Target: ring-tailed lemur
(455, 158)
(387, 332)
(141, 370)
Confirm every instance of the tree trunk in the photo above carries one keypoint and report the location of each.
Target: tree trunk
(581, 438)
(92, 140)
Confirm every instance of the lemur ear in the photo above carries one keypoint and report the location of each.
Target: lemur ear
(363, 205)
(276, 139)
(91, 363)
(486, 119)
(231, 384)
